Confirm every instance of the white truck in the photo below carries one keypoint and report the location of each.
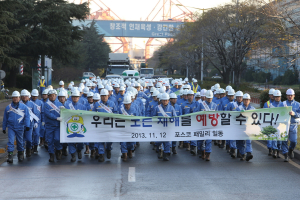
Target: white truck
(146, 72)
(118, 62)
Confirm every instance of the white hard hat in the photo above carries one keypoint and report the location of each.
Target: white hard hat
(89, 84)
(82, 81)
(212, 88)
(159, 96)
(231, 92)
(116, 85)
(122, 88)
(221, 91)
(167, 84)
(180, 92)
(104, 92)
(86, 90)
(217, 85)
(209, 94)
(217, 91)
(70, 86)
(158, 85)
(75, 93)
(239, 94)
(173, 96)
(290, 92)
(198, 94)
(15, 94)
(24, 93)
(186, 79)
(62, 93)
(162, 90)
(186, 87)
(80, 89)
(42, 77)
(100, 86)
(52, 92)
(35, 93)
(137, 85)
(228, 87)
(61, 83)
(165, 96)
(127, 99)
(195, 80)
(96, 96)
(185, 92)
(110, 88)
(90, 94)
(152, 89)
(155, 93)
(271, 91)
(277, 93)
(203, 92)
(190, 92)
(246, 96)
(179, 83)
(50, 87)
(46, 91)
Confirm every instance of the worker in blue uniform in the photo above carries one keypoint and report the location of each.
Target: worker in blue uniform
(288, 151)
(105, 106)
(269, 104)
(195, 87)
(178, 111)
(43, 142)
(52, 125)
(17, 119)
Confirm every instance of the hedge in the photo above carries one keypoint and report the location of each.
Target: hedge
(264, 96)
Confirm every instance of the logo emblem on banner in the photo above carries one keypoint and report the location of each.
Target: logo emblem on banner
(75, 127)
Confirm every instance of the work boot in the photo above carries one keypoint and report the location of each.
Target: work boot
(270, 152)
(222, 144)
(41, 142)
(10, 157)
(96, 153)
(286, 157)
(193, 150)
(228, 148)
(188, 146)
(249, 156)
(108, 154)
(151, 142)
(291, 154)
(243, 157)
(238, 155)
(28, 152)
(278, 156)
(93, 153)
(130, 153)
(58, 154)
(20, 156)
(35, 149)
(207, 156)
(73, 159)
(87, 149)
(101, 158)
(232, 153)
(202, 155)
(64, 151)
(274, 153)
(165, 155)
(79, 154)
(174, 150)
(51, 157)
(160, 154)
(180, 146)
(31, 150)
(124, 156)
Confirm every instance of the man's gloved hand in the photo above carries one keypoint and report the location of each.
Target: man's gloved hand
(35, 125)
(27, 129)
(62, 107)
(43, 123)
(59, 119)
(4, 131)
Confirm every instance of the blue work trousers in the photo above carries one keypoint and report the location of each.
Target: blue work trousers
(73, 147)
(27, 137)
(36, 135)
(53, 138)
(165, 146)
(12, 133)
(125, 146)
(204, 146)
(244, 146)
(100, 147)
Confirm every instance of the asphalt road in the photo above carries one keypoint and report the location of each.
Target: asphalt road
(145, 177)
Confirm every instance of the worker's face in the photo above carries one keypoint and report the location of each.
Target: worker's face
(167, 87)
(165, 102)
(190, 97)
(203, 98)
(127, 106)
(197, 98)
(155, 98)
(34, 98)
(62, 86)
(277, 99)
(179, 86)
(271, 96)
(290, 97)
(230, 97)
(25, 98)
(209, 100)
(173, 101)
(217, 95)
(117, 89)
(95, 100)
(122, 92)
(62, 99)
(138, 88)
(176, 86)
(246, 102)
(15, 99)
(45, 96)
(52, 97)
(90, 99)
(104, 98)
(75, 99)
(222, 95)
(185, 97)
(239, 99)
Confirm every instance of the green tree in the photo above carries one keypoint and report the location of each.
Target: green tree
(268, 130)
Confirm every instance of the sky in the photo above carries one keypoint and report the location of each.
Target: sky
(139, 10)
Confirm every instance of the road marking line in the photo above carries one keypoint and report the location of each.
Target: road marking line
(131, 174)
(281, 156)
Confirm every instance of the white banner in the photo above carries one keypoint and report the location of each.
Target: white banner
(260, 124)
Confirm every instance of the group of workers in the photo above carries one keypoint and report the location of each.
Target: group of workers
(34, 122)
